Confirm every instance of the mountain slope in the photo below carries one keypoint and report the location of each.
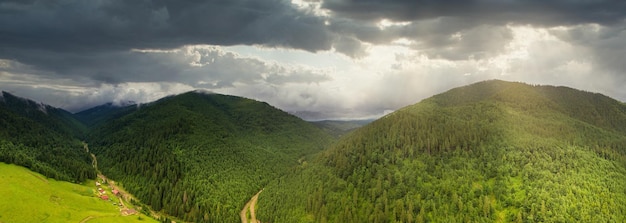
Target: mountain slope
(57, 120)
(491, 151)
(199, 156)
(29, 197)
(101, 113)
(42, 138)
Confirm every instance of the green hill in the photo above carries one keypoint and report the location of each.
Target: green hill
(491, 151)
(43, 138)
(29, 197)
(200, 157)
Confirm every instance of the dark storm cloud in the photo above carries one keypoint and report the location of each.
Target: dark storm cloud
(535, 12)
(85, 28)
(143, 49)
(119, 25)
(481, 24)
(93, 39)
(445, 37)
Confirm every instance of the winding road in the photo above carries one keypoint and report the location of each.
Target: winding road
(124, 196)
(250, 207)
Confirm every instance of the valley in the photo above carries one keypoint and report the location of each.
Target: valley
(202, 155)
(493, 151)
(108, 190)
(312, 111)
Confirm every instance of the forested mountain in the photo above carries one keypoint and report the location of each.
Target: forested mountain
(490, 151)
(42, 138)
(339, 128)
(200, 156)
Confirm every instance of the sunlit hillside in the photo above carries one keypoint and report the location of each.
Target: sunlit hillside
(30, 197)
(491, 151)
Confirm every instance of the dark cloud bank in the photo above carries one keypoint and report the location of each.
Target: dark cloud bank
(92, 42)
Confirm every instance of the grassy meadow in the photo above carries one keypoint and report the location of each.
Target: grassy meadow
(30, 197)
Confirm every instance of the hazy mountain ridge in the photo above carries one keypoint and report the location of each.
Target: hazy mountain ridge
(339, 128)
(96, 115)
(490, 151)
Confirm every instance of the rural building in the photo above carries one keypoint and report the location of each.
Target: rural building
(104, 197)
(116, 192)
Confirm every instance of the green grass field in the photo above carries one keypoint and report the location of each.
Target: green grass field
(26, 196)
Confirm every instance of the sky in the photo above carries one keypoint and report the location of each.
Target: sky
(317, 59)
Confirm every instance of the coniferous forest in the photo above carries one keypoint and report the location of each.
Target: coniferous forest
(493, 151)
(200, 157)
(313, 111)
(43, 139)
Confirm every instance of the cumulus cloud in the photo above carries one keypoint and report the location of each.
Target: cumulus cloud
(206, 66)
(142, 75)
(604, 43)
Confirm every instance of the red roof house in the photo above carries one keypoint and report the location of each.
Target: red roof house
(104, 197)
(116, 192)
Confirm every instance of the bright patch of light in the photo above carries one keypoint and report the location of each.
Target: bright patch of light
(457, 36)
(290, 56)
(517, 49)
(4, 64)
(313, 7)
(574, 67)
(403, 42)
(386, 23)
(153, 51)
(381, 57)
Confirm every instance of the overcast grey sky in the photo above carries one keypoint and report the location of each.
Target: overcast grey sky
(319, 59)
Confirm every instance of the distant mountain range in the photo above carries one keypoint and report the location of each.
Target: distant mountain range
(339, 128)
(104, 112)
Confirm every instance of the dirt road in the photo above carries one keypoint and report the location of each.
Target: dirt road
(250, 207)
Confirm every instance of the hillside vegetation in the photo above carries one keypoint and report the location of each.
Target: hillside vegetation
(200, 157)
(491, 151)
(30, 197)
(43, 138)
